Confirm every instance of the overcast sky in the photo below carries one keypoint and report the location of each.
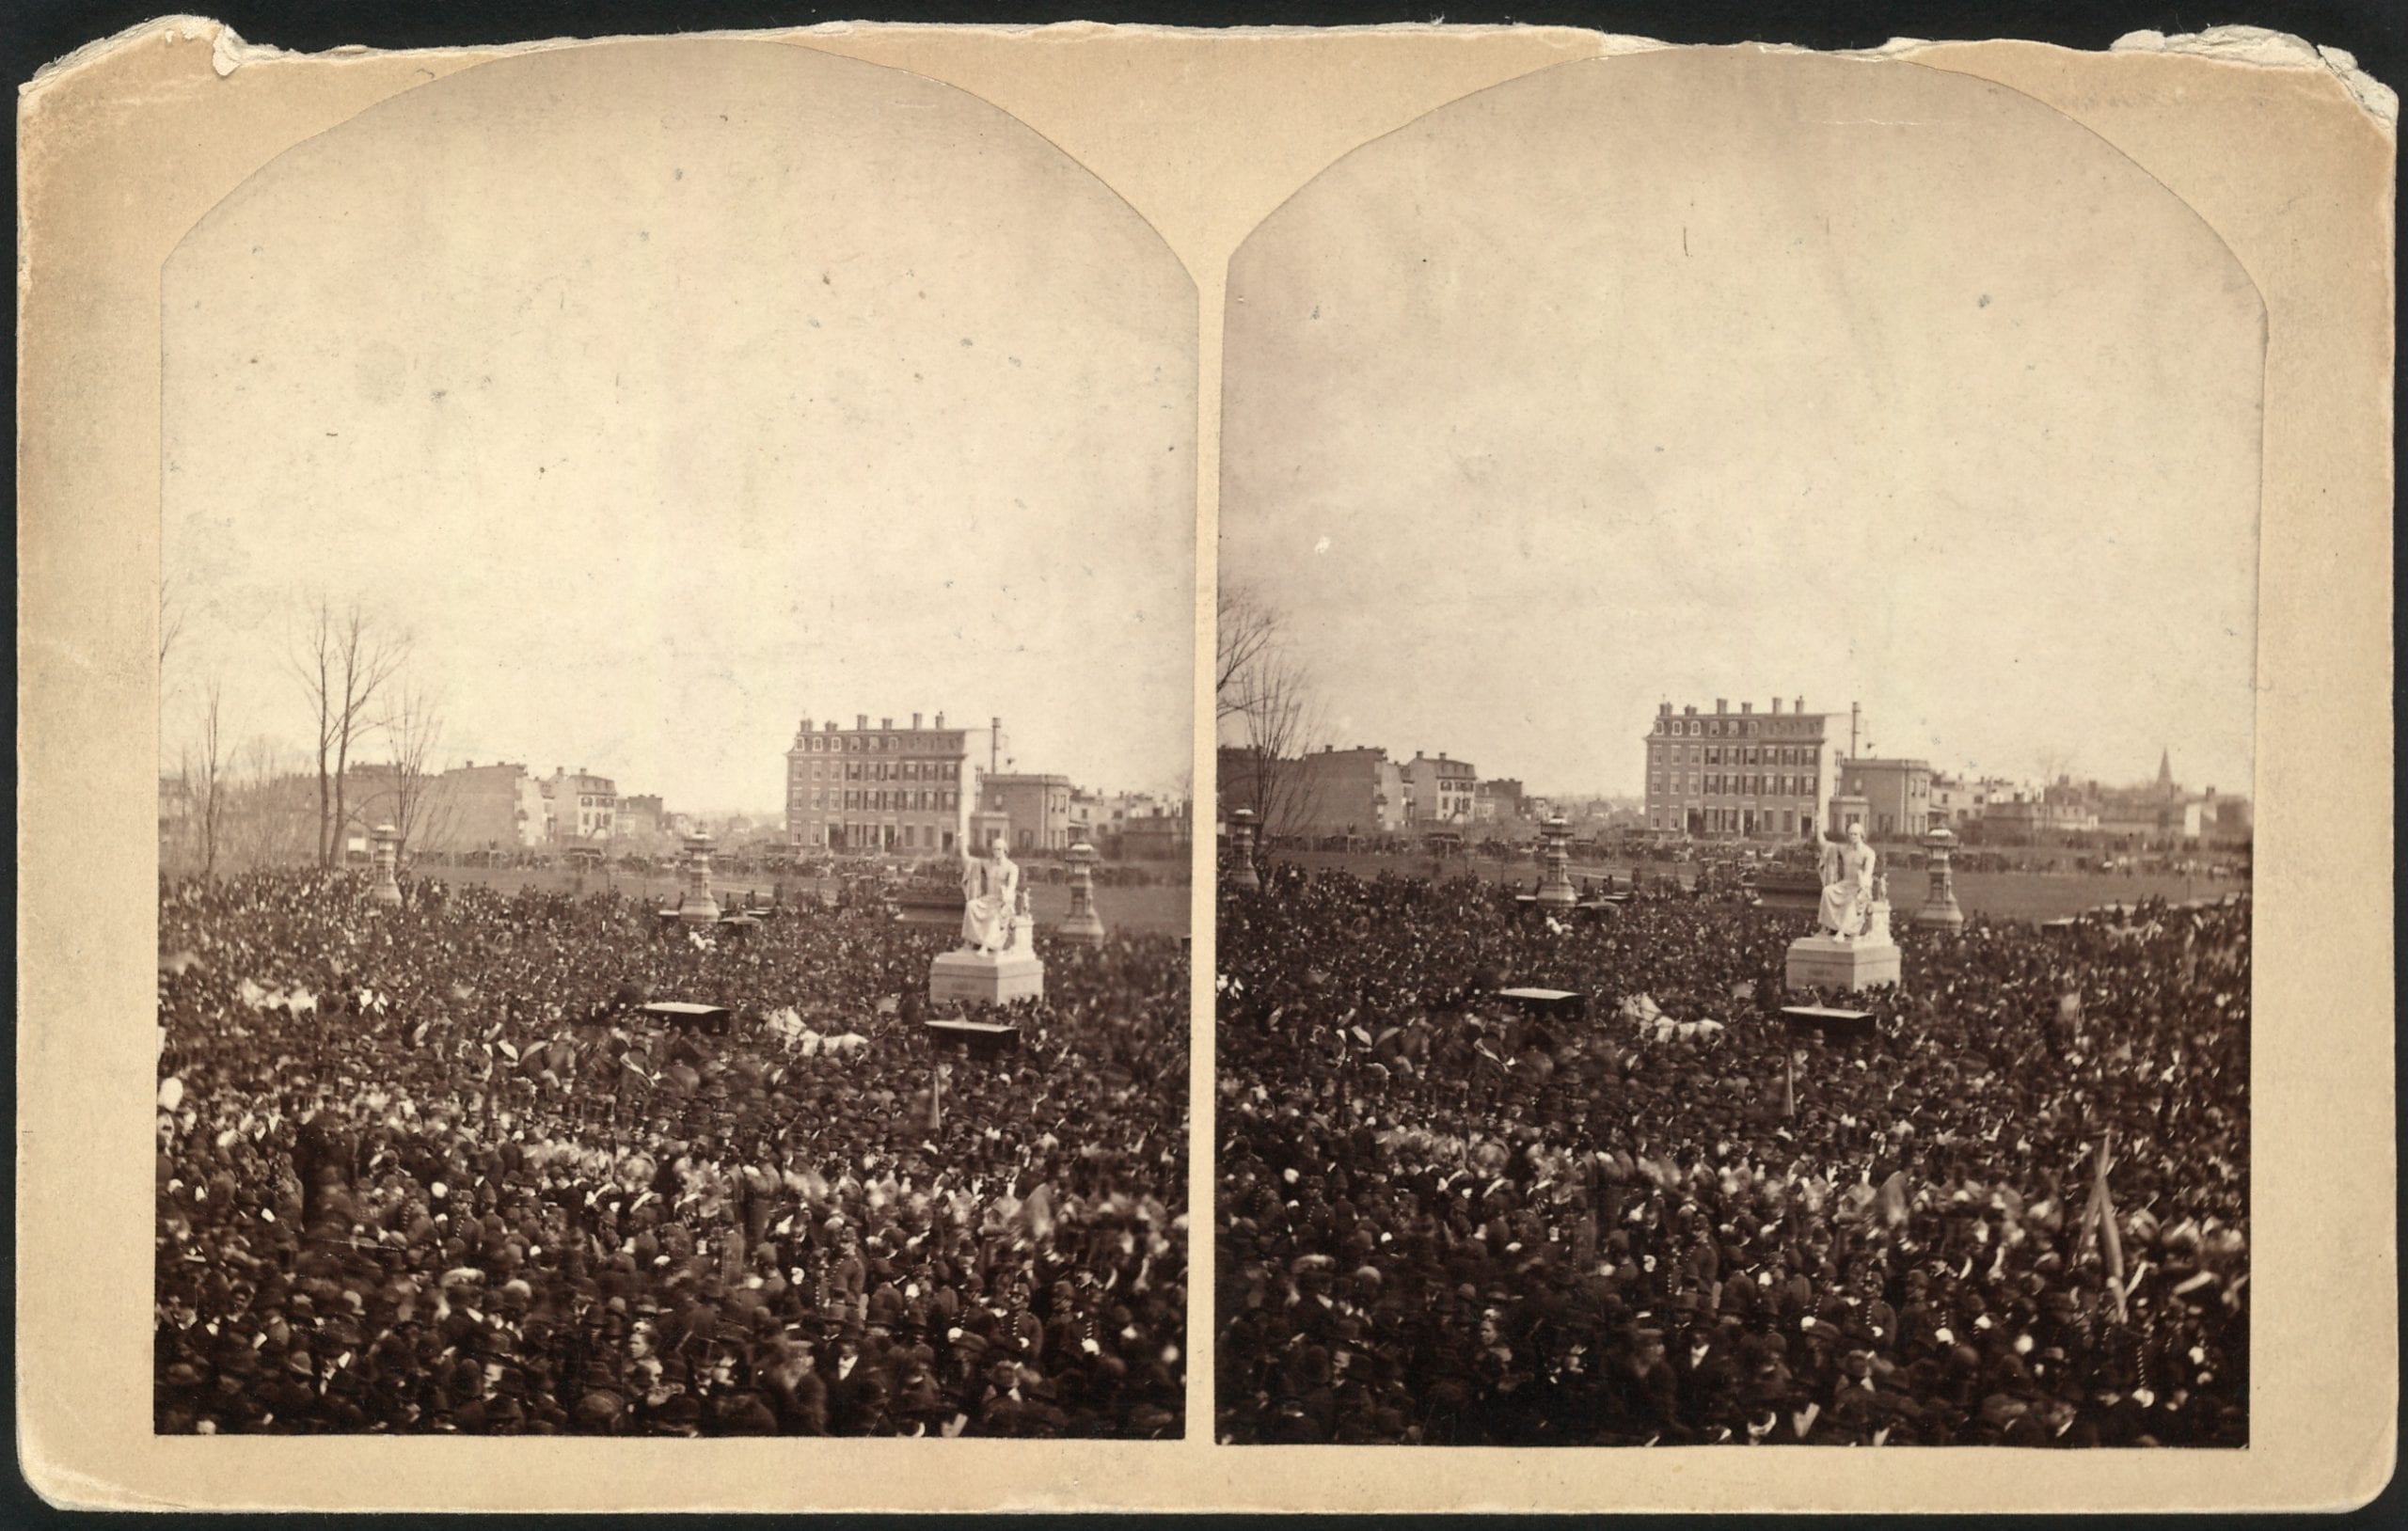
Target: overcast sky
(1666, 379)
(668, 405)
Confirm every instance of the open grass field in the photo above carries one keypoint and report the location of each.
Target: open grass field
(2005, 895)
(1161, 910)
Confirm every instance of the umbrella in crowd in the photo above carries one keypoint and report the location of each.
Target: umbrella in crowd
(434, 1169)
(2001, 1219)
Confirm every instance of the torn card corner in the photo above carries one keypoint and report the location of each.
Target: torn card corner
(2269, 49)
(228, 49)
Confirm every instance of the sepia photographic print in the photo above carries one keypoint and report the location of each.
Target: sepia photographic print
(673, 816)
(1738, 587)
(1766, 659)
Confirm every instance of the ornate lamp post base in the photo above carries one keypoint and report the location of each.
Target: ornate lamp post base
(1082, 925)
(1939, 911)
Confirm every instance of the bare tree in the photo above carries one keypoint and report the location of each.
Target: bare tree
(413, 729)
(1245, 630)
(171, 618)
(214, 766)
(342, 660)
(1278, 719)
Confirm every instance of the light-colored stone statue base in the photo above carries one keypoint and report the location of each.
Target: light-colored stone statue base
(1827, 962)
(986, 977)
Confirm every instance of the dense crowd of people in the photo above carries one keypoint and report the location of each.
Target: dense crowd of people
(436, 1168)
(1448, 1219)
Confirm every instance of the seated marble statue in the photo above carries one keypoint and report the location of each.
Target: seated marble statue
(1848, 885)
(991, 899)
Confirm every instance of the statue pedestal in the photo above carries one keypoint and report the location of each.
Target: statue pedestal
(986, 977)
(1827, 962)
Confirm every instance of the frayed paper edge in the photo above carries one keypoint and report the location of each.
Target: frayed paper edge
(2256, 46)
(2266, 49)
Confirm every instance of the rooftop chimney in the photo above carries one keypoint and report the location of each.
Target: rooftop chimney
(1776, 706)
(1746, 706)
(940, 719)
(1689, 712)
(1721, 706)
(1663, 709)
(886, 722)
(916, 721)
(861, 723)
(1801, 704)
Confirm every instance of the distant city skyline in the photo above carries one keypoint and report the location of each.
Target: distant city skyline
(1894, 387)
(686, 408)
(2076, 767)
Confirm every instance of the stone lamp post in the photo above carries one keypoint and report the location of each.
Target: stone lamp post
(1939, 909)
(1082, 924)
(1242, 849)
(1555, 881)
(386, 853)
(696, 907)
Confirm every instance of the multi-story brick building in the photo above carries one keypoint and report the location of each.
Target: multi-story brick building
(1036, 808)
(1442, 792)
(1328, 792)
(1498, 800)
(584, 807)
(1897, 794)
(887, 788)
(1744, 774)
(471, 807)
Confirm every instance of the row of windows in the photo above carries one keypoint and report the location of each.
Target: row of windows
(1738, 782)
(924, 800)
(854, 744)
(1734, 728)
(1713, 754)
(1914, 788)
(883, 770)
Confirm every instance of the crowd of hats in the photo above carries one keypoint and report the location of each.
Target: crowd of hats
(1680, 1221)
(432, 1169)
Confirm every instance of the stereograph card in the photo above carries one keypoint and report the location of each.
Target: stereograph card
(1154, 769)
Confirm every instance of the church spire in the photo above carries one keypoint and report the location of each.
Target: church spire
(2166, 771)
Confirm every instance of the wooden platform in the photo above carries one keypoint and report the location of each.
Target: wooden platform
(1843, 1024)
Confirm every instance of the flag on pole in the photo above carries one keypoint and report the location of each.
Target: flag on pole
(2110, 1238)
(1891, 1199)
